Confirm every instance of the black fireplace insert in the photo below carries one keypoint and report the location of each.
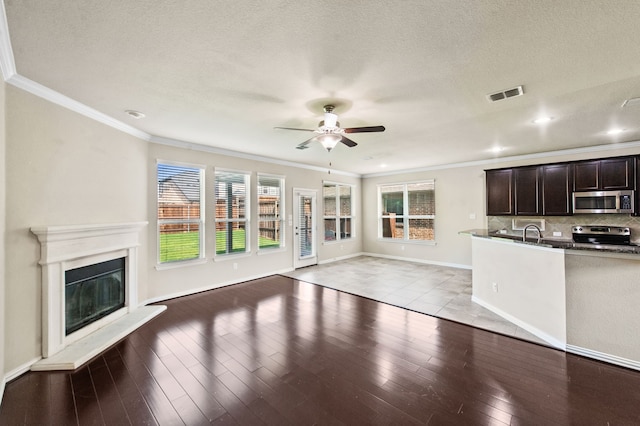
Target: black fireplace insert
(93, 292)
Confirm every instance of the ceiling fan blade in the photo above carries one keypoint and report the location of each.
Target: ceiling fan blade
(294, 128)
(366, 129)
(304, 144)
(348, 142)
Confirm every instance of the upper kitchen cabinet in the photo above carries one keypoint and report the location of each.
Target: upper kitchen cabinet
(499, 186)
(557, 183)
(605, 174)
(527, 191)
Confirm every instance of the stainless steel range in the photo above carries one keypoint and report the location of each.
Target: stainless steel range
(601, 235)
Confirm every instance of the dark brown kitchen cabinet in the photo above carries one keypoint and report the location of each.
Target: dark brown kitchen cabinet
(499, 184)
(605, 174)
(557, 183)
(527, 191)
(586, 176)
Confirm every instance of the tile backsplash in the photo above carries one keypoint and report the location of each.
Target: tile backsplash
(564, 223)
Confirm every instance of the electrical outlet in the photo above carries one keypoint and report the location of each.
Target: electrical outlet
(235, 266)
(557, 234)
(401, 247)
(472, 216)
(494, 286)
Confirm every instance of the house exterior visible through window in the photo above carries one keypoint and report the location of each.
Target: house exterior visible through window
(407, 211)
(232, 212)
(338, 211)
(180, 213)
(270, 211)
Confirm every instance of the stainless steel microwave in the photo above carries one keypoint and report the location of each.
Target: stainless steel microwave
(603, 202)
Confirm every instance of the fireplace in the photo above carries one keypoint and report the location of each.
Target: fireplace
(89, 290)
(93, 292)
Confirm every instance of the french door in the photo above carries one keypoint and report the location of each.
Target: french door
(304, 228)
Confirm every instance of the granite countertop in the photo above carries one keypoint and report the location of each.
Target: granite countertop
(565, 244)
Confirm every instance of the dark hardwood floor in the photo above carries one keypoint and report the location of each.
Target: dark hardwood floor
(279, 351)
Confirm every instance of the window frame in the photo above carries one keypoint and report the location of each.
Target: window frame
(280, 215)
(338, 217)
(247, 213)
(199, 221)
(405, 216)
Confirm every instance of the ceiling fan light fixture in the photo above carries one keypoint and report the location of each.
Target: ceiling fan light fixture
(330, 120)
(329, 141)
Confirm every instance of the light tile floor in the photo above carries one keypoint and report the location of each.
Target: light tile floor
(439, 291)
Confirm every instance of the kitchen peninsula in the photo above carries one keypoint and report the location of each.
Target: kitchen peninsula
(576, 299)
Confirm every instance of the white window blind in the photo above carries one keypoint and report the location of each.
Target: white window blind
(180, 213)
(270, 211)
(232, 207)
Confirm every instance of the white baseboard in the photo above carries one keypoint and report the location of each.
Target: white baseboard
(553, 341)
(2, 385)
(339, 258)
(20, 370)
(411, 259)
(212, 287)
(601, 356)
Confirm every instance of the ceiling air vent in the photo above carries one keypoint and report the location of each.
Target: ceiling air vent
(509, 93)
(631, 102)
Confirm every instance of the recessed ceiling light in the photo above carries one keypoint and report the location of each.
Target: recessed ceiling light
(542, 120)
(383, 165)
(135, 114)
(615, 131)
(497, 149)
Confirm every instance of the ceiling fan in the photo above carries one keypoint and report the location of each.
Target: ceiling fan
(330, 132)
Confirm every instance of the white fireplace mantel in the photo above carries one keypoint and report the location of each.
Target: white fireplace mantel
(75, 246)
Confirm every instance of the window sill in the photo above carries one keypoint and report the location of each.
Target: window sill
(180, 264)
(342, 241)
(415, 242)
(224, 257)
(270, 251)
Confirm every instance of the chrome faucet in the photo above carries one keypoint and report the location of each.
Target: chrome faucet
(531, 225)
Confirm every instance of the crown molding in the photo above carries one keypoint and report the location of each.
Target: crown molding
(7, 63)
(59, 99)
(572, 151)
(213, 150)
(11, 76)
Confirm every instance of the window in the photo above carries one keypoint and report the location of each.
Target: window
(180, 213)
(407, 211)
(232, 207)
(270, 211)
(338, 212)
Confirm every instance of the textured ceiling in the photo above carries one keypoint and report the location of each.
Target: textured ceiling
(224, 74)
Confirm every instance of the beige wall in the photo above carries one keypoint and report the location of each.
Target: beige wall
(214, 273)
(460, 193)
(3, 210)
(529, 285)
(62, 168)
(602, 304)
